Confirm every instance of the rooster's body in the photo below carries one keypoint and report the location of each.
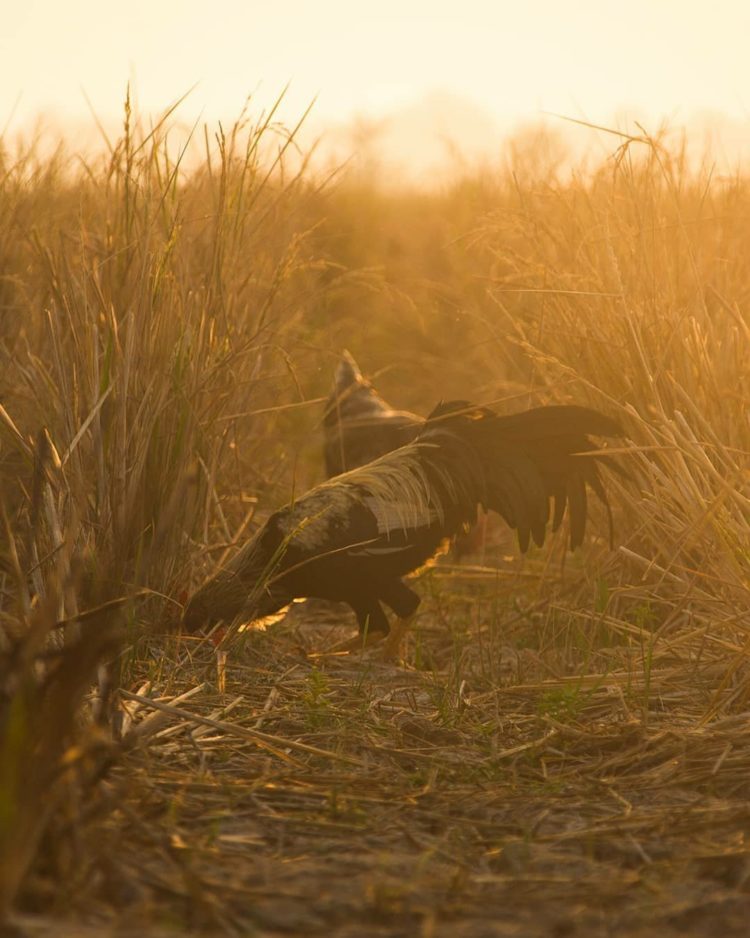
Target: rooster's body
(355, 537)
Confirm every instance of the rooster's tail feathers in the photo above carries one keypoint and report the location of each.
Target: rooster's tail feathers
(347, 372)
(556, 420)
(537, 460)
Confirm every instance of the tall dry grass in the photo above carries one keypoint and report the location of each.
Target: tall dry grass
(145, 321)
(629, 288)
(166, 331)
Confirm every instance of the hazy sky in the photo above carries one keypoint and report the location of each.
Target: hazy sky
(580, 57)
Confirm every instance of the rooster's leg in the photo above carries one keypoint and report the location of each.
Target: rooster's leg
(373, 626)
(392, 647)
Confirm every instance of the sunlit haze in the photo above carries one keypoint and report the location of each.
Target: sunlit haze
(496, 64)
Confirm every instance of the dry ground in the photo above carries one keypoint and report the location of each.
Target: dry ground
(498, 782)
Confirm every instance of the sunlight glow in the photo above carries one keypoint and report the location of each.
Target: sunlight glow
(511, 62)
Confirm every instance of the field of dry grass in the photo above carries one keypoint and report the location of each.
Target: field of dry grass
(565, 748)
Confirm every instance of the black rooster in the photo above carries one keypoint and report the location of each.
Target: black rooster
(354, 537)
(358, 424)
